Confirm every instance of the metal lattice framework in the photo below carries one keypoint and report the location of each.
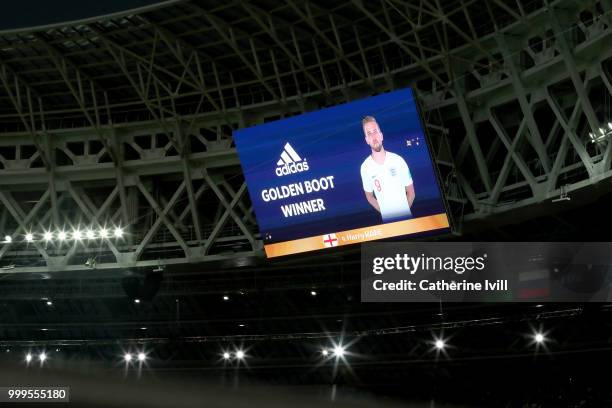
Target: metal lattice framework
(126, 119)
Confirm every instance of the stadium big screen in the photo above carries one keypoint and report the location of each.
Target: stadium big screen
(355, 172)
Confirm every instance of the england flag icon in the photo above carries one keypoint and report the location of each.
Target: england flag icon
(330, 240)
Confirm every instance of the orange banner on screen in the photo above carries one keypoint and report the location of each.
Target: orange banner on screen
(354, 236)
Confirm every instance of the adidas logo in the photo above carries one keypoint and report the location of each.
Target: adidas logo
(290, 162)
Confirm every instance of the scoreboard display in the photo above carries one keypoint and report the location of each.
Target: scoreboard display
(352, 173)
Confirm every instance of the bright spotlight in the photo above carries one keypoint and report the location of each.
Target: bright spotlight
(90, 234)
(136, 300)
(8, 239)
(118, 232)
(339, 351)
(28, 357)
(313, 293)
(47, 236)
(29, 237)
(226, 356)
(42, 357)
(324, 352)
(103, 233)
(141, 356)
(240, 354)
(77, 235)
(127, 357)
(440, 344)
(62, 235)
(539, 338)
(49, 303)
(226, 298)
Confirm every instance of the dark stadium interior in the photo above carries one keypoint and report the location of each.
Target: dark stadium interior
(127, 119)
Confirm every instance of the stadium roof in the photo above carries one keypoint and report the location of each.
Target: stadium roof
(181, 58)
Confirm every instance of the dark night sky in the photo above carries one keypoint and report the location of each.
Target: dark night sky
(29, 13)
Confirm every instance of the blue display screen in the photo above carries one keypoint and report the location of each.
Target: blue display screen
(342, 170)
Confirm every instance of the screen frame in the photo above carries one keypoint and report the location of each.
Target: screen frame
(430, 151)
(425, 233)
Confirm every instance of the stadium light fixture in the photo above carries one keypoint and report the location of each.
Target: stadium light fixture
(240, 355)
(440, 345)
(539, 338)
(8, 239)
(127, 357)
(48, 236)
(62, 235)
(42, 357)
(141, 357)
(103, 233)
(339, 351)
(29, 237)
(28, 358)
(601, 134)
(324, 352)
(90, 234)
(226, 355)
(77, 235)
(118, 232)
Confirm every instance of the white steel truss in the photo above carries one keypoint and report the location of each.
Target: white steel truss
(126, 121)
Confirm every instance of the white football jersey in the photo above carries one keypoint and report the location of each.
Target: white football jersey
(388, 182)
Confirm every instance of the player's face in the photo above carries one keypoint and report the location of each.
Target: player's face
(373, 136)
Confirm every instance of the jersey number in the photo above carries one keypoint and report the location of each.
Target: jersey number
(377, 184)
